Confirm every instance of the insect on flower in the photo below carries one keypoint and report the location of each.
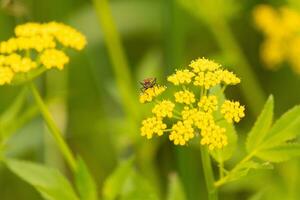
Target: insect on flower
(147, 83)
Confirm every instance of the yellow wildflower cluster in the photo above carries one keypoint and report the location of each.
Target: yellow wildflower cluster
(164, 109)
(152, 126)
(54, 58)
(35, 46)
(149, 94)
(281, 29)
(190, 116)
(208, 103)
(182, 132)
(181, 76)
(232, 111)
(209, 74)
(185, 96)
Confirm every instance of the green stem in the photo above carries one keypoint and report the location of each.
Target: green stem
(54, 130)
(208, 174)
(223, 180)
(117, 56)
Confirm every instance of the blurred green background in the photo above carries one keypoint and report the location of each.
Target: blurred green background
(95, 99)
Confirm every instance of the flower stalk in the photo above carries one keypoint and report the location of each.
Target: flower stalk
(54, 130)
(208, 174)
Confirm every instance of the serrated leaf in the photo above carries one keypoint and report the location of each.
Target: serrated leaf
(175, 190)
(225, 153)
(285, 128)
(280, 153)
(84, 182)
(261, 126)
(115, 182)
(245, 167)
(51, 184)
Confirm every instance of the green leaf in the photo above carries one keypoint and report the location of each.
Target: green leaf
(114, 183)
(261, 126)
(280, 153)
(126, 184)
(244, 168)
(175, 191)
(285, 128)
(51, 184)
(84, 182)
(137, 187)
(221, 155)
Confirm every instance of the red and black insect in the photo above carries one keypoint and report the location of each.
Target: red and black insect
(147, 83)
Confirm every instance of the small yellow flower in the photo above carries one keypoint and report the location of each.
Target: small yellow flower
(208, 103)
(53, 58)
(229, 78)
(207, 79)
(6, 75)
(150, 93)
(181, 133)
(232, 111)
(164, 109)
(181, 77)
(185, 96)
(202, 65)
(214, 136)
(152, 125)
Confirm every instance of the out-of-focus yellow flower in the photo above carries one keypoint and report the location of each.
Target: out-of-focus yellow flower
(164, 109)
(6, 75)
(54, 58)
(281, 29)
(66, 35)
(189, 115)
(17, 63)
(150, 93)
(232, 111)
(181, 77)
(152, 125)
(208, 103)
(35, 46)
(185, 96)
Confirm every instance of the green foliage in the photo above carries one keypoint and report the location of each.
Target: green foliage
(225, 153)
(8, 118)
(126, 184)
(272, 143)
(116, 180)
(51, 184)
(211, 10)
(280, 153)
(85, 183)
(244, 168)
(261, 126)
(175, 189)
